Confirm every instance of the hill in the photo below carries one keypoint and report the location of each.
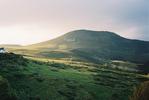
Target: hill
(87, 45)
(94, 45)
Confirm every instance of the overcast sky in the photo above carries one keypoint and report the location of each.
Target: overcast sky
(31, 21)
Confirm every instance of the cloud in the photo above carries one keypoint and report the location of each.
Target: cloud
(129, 18)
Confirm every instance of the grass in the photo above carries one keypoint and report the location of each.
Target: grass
(49, 79)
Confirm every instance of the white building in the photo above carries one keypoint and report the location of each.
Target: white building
(2, 50)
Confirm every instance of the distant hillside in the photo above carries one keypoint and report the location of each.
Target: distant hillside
(80, 39)
(95, 45)
(88, 45)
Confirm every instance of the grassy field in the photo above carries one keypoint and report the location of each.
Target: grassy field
(48, 79)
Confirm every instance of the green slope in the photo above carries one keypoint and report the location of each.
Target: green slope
(96, 44)
(91, 46)
(31, 79)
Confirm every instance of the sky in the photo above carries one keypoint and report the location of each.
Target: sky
(31, 21)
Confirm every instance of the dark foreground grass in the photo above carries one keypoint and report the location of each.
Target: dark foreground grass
(35, 80)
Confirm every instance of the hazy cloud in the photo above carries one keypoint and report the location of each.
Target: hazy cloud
(129, 18)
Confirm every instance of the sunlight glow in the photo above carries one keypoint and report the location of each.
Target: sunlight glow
(24, 35)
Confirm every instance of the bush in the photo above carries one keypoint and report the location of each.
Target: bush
(142, 92)
(5, 93)
(12, 60)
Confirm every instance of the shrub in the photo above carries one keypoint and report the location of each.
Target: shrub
(5, 93)
(142, 92)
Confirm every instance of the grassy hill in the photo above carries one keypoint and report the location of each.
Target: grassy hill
(32, 78)
(91, 46)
